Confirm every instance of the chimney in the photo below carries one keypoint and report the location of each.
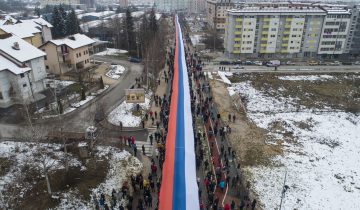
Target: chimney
(16, 46)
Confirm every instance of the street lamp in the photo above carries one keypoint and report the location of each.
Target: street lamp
(285, 188)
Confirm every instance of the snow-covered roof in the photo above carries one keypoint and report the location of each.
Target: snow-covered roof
(25, 52)
(96, 14)
(74, 41)
(7, 18)
(6, 64)
(38, 21)
(22, 30)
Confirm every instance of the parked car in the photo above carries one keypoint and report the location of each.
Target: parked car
(238, 62)
(249, 63)
(225, 62)
(347, 63)
(290, 63)
(258, 63)
(134, 60)
(274, 63)
(313, 63)
(335, 63)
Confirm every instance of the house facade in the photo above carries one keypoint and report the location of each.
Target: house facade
(70, 53)
(22, 71)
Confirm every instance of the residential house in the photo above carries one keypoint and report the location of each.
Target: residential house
(70, 53)
(35, 31)
(22, 71)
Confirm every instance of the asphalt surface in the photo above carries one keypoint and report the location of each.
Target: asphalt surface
(81, 118)
(284, 68)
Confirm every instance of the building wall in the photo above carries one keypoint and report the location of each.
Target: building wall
(334, 34)
(46, 34)
(217, 13)
(37, 74)
(58, 63)
(312, 36)
(14, 88)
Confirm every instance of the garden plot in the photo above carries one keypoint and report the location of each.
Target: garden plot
(22, 183)
(115, 71)
(319, 131)
(127, 113)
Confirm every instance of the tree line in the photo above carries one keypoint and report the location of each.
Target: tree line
(64, 22)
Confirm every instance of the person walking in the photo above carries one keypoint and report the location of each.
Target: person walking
(143, 149)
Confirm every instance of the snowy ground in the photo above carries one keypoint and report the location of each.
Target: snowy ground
(115, 71)
(122, 166)
(322, 156)
(111, 51)
(125, 113)
(28, 155)
(73, 106)
(53, 83)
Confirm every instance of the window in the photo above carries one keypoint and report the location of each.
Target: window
(1, 96)
(24, 85)
(45, 57)
(47, 67)
(22, 75)
(77, 55)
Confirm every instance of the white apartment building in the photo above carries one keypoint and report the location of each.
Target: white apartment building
(273, 32)
(335, 31)
(22, 71)
(216, 13)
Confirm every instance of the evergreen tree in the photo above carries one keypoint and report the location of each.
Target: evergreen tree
(129, 30)
(60, 107)
(83, 96)
(56, 18)
(118, 10)
(72, 23)
(101, 83)
(153, 22)
(37, 11)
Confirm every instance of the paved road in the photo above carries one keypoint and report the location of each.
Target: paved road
(83, 117)
(286, 69)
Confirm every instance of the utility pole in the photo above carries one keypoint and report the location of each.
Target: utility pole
(284, 189)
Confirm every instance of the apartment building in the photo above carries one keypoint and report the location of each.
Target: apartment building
(22, 71)
(70, 53)
(353, 42)
(335, 31)
(273, 31)
(216, 13)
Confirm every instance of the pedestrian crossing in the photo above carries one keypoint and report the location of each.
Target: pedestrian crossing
(149, 149)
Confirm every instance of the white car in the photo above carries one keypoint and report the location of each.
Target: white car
(258, 63)
(238, 67)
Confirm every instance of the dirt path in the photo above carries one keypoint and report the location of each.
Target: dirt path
(246, 139)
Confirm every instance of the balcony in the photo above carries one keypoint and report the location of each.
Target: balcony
(237, 39)
(264, 39)
(288, 19)
(266, 26)
(236, 52)
(287, 32)
(263, 45)
(286, 39)
(265, 32)
(238, 20)
(237, 32)
(284, 51)
(238, 26)
(237, 45)
(287, 25)
(285, 44)
(266, 19)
